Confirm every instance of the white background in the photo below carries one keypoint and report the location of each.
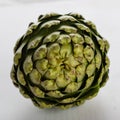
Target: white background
(15, 15)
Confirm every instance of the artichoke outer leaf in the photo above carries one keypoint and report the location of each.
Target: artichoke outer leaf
(33, 43)
(50, 24)
(22, 91)
(83, 27)
(55, 94)
(20, 77)
(104, 79)
(107, 63)
(52, 37)
(80, 72)
(68, 29)
(64, 39)
(89, 82)
(78, 51)
(77, 16)
(43, 104)
(42, 65)
(49, 85)
(48, 16)
(77, 38)
(89, 41)
(68, 100)
(67, 18)
(28, 65)
(37, 92)
(67, 106)
(90, 70)
(72, 87)
(18, 54)
(88, 53)
(90, 94)
(98, 59)
(40, 53)
(13, 76)
(35, 77)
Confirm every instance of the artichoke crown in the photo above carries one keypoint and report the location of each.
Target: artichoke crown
(60, 61)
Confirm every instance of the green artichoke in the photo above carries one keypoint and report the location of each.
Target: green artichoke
(60, 61)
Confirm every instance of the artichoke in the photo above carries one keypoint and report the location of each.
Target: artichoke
(60, 61)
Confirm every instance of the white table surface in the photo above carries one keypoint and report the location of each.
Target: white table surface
(15, 15)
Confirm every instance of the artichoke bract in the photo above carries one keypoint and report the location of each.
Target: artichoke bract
(60, 61)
